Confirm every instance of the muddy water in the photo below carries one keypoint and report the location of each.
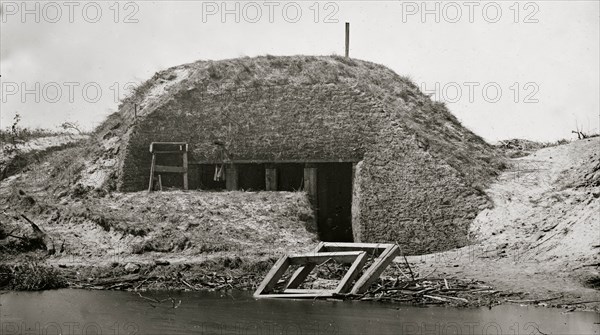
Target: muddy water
(106, 312)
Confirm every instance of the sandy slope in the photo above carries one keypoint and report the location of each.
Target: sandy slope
(10, 154)
(542, 237)
(43, 143)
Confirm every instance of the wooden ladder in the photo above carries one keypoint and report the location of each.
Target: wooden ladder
(157, 148)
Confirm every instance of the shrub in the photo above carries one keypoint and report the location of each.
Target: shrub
(30, 276)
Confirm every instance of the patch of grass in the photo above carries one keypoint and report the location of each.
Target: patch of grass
(22, 161)
(346, 60)
(30, 276)
(26, 134)
(214, 72)
(592, 282)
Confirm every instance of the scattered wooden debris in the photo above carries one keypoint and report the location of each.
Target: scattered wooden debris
(405, 285)
(426, 291)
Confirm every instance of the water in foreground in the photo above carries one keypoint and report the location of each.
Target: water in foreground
(113, 312)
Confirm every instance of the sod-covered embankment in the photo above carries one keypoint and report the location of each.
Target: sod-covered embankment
(93, 240)
(421, 174)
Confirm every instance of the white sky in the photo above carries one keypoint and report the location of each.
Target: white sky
(555, 61)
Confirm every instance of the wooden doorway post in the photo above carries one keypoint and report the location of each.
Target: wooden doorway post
(310, 186)
(231, 177)
(310, 182)
(185, 170)
(270, 177)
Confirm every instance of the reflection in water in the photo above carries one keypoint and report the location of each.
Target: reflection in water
(109, 312)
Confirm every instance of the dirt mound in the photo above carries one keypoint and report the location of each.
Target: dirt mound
(16, 158)
(547, 204)
(546, 210)
(541, 238)
(422, 172)
(305, 108)
(173, 226)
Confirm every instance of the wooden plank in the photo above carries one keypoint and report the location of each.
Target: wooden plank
(310, 187)
(346, 282)
(375, 270)
(327, 294)
(374, 249)
(152, 166)
(307, 291)
(302, 272)
(231, 177)
(169, 169)
(299, 276)
(185, 171)
(318, 258)
(168, 143)
(281, 161)
(168, 152)
(310, 183)
(273, 276)
(320, 247)
(271, 179)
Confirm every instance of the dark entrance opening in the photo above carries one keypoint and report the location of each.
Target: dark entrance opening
(206, 177)
(290, 177)
(251, 177)
(334, 202)
(169, 180)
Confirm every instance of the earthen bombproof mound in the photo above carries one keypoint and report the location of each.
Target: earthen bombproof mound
(417, 173)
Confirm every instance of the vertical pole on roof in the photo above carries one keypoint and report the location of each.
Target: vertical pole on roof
(347, 39)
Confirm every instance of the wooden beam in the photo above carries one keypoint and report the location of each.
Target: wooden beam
(310, 186)
(169, 169)
(231, 177)
(373, 249)
(271, 178)
(375, 270)
(168, 152)
(302, 272)
(307, 291)
(182, 146)
(279, 161)
(299, 276)
(355, 268)
(152, 166)
(273, 276)
(185, 170)
(318, 258)
(324, 294)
